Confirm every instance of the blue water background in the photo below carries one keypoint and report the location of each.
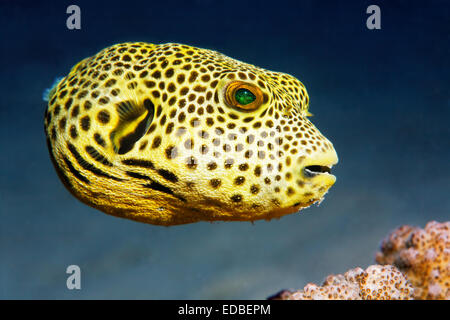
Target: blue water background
(382, 98)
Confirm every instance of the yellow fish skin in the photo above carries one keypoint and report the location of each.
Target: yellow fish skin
(172, 134)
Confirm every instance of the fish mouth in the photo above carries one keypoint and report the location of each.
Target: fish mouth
(320, 167)
(314, 170)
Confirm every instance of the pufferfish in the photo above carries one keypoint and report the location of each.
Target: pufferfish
(172, 134)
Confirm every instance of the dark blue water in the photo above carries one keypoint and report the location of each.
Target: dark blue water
(381, 96)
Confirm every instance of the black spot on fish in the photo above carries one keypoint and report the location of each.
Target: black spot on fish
(236, 198)
(98, 138)
(85, 123)
(73, 132)
(103, 116)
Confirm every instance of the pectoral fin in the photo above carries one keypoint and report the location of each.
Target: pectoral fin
(134, 120)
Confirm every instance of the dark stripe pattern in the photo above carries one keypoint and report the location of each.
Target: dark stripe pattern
(59, 171)
(139, 163)
(153, 184)
(97, 156)
(169, 176)
(159, 187)
(89, 166)
(138, 175)
(75, 172)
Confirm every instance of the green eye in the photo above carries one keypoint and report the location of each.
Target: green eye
(244, 96)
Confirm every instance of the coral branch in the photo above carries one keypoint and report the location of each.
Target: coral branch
(375, 283)
(423, 255)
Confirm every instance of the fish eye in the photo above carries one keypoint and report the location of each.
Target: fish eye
(243, 95)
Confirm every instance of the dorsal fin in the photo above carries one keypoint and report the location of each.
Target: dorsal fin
(134, 120)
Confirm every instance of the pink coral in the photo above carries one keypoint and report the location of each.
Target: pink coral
(423, 255)
(375, 283)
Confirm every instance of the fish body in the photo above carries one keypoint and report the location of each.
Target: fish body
(172, 134)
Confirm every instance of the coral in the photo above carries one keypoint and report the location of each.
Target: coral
(414, 264)
(375, 283)
(423, 255)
